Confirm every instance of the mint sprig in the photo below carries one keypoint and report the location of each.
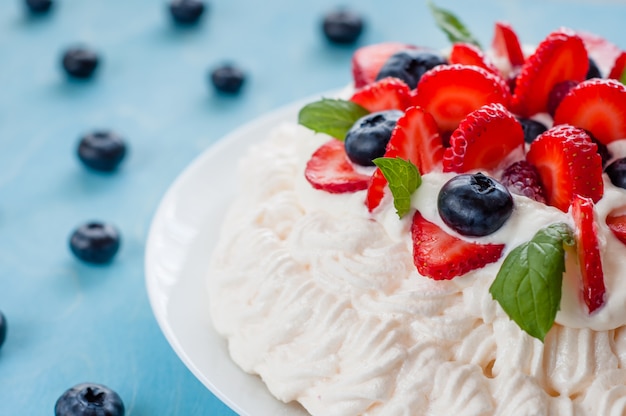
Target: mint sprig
(403, 178)
(331, 116)
(622, 78)
(528, 285)
(452, 26)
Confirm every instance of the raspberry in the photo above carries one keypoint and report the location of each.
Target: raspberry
(522, 178)
(557, 94)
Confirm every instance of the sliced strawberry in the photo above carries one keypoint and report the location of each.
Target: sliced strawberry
(617, 224)
(588, 251)
(415, 138)
(484, 140)
(560, 57)
(603, 52)
(442, 256)
(367, 61)
(451, 92)
(330, 170)
(598, 106)
(506, 44)
(386, 94)
(468, 54)
(568, 164)
(617, 71)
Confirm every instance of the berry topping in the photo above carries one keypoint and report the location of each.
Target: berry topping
(228, 78)
(557, 94)
(619, 67)
(484, 140)
(409, 65)
(568, 163)
(89, 399)
(3, 329)
(617, 224)
(593, 71)
(80, 62)
(101, 150)
(603, 52)
(587, 247)
(451, 92)
(186, 12)
(468, 54)
(330, 170)
(506, 44)
(560, 57)
(385, 94)
(598, 106)
(474, 204)
(532, 128)
(95, 242)
(521, 178)
(368, 137)
(38, 6)
(367, 61)
(617, 172)
(442, 256)
(603, 149)
(342, 26)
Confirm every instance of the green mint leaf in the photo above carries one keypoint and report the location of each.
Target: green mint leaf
(331, 116)
(452, 26)
(528, 285)
(622, 78)
(403, 179)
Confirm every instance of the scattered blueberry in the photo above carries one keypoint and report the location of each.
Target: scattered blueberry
(186, 11)
(474, 204)
(593, 71)
(367, 139)
(39, 6)
(89, 399)
(3, 328)
(409, 65)
(228, 78)
(557, 94)
(342, 26)
(80, 62)
(101, 150)
(532, 129)
(617, 172)
(522, 178)
(95, 242)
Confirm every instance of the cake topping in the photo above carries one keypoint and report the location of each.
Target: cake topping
(385, 94)
(330, 170)
(505, 44)
(368, 137)
(617, 172)
(367, 61)
(410, 65)
(522, 178)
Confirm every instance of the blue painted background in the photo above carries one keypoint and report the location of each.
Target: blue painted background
(70, 322)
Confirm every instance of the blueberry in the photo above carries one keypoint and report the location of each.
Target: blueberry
(593, 71)
(3, 328)
(342, 26)
(409, 65)
(228, 78)
(367, 139)
(186, 12)
(101, 150)
(95, 242)
(89, 399)
(80, 62)
(39, 6)
(474, 204)
(603, 150)
(617, 172)
(531, 128)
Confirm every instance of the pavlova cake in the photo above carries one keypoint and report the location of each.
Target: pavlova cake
(448, 237)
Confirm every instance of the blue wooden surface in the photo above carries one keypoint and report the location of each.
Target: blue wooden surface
(70, 322)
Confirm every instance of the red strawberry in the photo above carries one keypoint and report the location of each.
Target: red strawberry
(588, 251)
(386, 94)
(617, 224)
(468, 54)
(598, 106)
(484, 140)
(568, 164)
(506, 44)
(367, 61)
(415, 138)
(442, 256)
(451, 92)
(560, 57)
(330, 170)
(618, 67)
(603, 52)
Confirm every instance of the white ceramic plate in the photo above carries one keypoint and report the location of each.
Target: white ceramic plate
(182, 236)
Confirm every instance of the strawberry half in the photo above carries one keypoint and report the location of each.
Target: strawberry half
(330, 170)
(506, 44)
(560, 57)
(385, 94)
(451, 92)
(367, 61)
(618, 67)
(603, 52)
(617, 224)
(442, 256)
(588, 250)
(598, 106)
(415, 138)
(568, 164)
(484, 140)
(468, 54)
